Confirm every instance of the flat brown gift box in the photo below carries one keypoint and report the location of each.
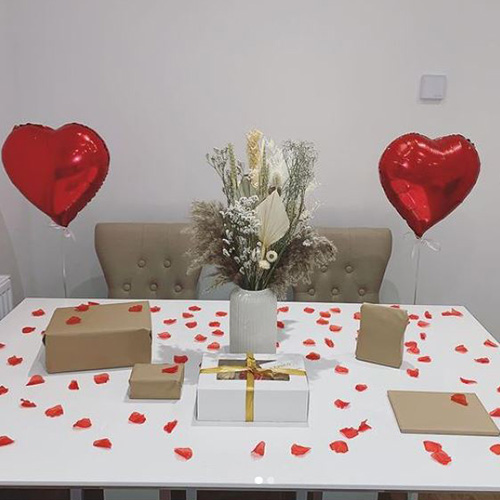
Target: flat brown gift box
(381, 335)
(108, 336)
(147, 381)
(420, 412)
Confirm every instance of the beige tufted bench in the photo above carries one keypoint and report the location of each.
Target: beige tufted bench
(356, 275)
(145, 261)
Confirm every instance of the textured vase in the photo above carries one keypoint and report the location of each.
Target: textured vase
(252, 316)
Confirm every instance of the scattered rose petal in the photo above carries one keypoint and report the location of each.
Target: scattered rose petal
(423, 335)
(432, 446)
(460, 399)
(137, 418)
(221, 314)
(413, 372)
(349, 432)
(361, 387)
(171, 369)
(180, 358)
(73, 386)
(467, 381)
(14, 360)
(452, 312)
(461, 348)
(423, 324)
(2, 345)
(191, 324)
(313, 356)
(214, 346)
(194, 308)
(38, 312)
(200, 338)
(170, 426)
(341, 404)
(495, 449)
(396, 306)
(363, 426)
(185, 453)
(413, 317)
(103, 443)
(309, 342)
(3, 390)
(442, 457)
(335, 328)
(26, 403)
(283, 309)
(135, 309)
(214, 324)
(411, 343)
(164, 335)
(170, 321)
(329, 342)
(424, 359)
(428, 315)
(187, 315)
(280, 324)
(335, 310)
(308, 310)
(74, 320)
(260, 449)
(83, 423)
(36, 380)
(325, 314)
(55, 411)
(299, 450)
(28, 329)
(489, 343)
(218, 333)
(102, 378)
(82, 308)
(341, 369)
(91, 303)
(413, 350)
(482, 361)
(155, 309)
(5, 440)
(357, 315)
(339, 447)
(495, 413)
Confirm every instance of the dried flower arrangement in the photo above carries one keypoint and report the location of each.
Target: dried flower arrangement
(262, 238)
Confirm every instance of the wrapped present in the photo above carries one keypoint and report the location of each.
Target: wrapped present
(98, 336)
(253, 388)
(149, 381)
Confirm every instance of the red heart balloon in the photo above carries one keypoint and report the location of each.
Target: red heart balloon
(59, 171)
(426, 179)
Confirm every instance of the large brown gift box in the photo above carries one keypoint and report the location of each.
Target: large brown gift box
(381, 335)
(102, 336)
(156, 381)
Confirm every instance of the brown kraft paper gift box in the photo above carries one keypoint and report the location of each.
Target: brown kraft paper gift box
(105, 336)
(149, 381)
(381, 335)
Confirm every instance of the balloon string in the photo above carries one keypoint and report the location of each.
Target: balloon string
(63, 264)
(417, 269)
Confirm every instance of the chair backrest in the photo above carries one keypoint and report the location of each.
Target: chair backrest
(145, 261)
(356, 275)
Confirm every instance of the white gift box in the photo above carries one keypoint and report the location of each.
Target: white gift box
(274, 400)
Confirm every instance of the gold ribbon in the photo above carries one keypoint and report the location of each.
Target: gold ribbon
(252, 368)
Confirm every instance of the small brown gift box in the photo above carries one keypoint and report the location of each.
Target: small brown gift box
(151, 382)
(102, 336)
(381, 335)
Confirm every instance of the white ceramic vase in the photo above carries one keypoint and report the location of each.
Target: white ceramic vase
(252, 317)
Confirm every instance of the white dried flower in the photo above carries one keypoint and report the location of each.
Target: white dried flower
(271, 256)
(263, 264)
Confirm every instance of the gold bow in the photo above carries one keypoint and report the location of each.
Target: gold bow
(252, 369)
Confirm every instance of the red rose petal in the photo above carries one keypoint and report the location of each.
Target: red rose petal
(180, 358)
(185, 453)
(187, 315)
(200, 338)
(309, 342)
(441, 457)
(482, 361)
(218, 333)
(5, 440)
(329, 342)
(459, 399)
(411, 343)
(322, 321)
(325, 314)
(424, 359)
(413, 350)
(298, 450)
(90, 303)
(335, 310)
(339, 447)
(423, 324)
(413, 373)
(26, 403)
(363, 426)
(357, 316)
(3, 390)
(214, 324)
(214, 346)
(170, 321)
(14, 360)
(137, 418)
(361, 387)
(308, 310)
(489, 343)
(135, 309)
(283, 309)
(461, 348)
(341, 369)
(495, 413)
(413, 316)
(82, 307)
(221, 314)
(170, 426)
(83, 423)
(452, 312)
(164, 335)
(38, 312)
(155, 309)
(432, 446)
(102, 378)
(55, 411)
(28, 329)
(349, 432)
(170, 369)
(191, 324)
(74, 320)
(313, 356)
(341, 404)
(335, 328)
(467, 381)
(35, 380)
(103, 443)
(194, 308)
(428, 315)
(280, 324)
(2, 345)
(495, 449)
(260, 449)
(395, 306)
(73, 386)
(423, 335)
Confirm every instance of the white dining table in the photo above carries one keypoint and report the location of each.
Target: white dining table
(49, 452)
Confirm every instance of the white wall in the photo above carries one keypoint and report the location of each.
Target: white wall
(164, 81)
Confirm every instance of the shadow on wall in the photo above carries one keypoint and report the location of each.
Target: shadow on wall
(8, 262)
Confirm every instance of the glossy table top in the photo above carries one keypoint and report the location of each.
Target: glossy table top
(49, 452)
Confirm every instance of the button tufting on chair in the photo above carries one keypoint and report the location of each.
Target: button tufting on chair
(335, 291)
(324, 269)
(126, 287)
(141, 263)
(178, 288)
(167, 263)
(362, 291)
(348, 269)
(153, 287)
(311, 291)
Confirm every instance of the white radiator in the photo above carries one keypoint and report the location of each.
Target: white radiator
(5, 296)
